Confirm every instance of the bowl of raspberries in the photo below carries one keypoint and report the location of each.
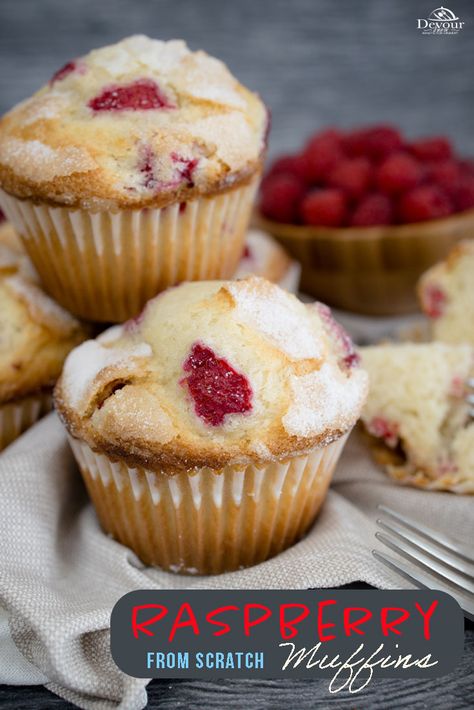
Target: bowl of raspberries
(367, 211)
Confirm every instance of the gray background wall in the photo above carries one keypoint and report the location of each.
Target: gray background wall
(314, 61)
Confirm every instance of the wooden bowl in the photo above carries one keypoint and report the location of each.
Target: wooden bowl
(371, 270)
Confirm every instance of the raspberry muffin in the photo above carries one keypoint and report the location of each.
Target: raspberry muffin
(446, 293)
(35, 337)
(263, 256)
(208, 428)
(133, 169)
(417, 413)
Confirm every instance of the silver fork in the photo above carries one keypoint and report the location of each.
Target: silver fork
(432, 560)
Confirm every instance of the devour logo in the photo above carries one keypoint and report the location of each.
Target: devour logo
(441, 21)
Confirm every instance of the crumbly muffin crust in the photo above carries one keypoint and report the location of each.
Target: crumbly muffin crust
(418, 415)
(145, 392)
(35, 336)
(135, 124)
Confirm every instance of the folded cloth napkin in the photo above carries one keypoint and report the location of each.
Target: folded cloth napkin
(61, 576)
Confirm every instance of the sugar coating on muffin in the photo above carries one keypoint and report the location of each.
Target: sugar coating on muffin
(446, 293)
(416, 408)
(141, 122)
(263, 256)
(214, 373)
(35, 336)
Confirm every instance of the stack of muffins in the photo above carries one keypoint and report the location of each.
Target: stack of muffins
(208, 424)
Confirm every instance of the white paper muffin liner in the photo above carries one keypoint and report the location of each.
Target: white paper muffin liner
(105, 266)
(206, 521)
(20, 414)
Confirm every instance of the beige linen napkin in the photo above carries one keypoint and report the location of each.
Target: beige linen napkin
(60, 575)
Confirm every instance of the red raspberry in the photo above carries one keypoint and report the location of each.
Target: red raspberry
(372, 209)
(291, 164)
(280, 197)
(349, 357)
(215, 386)
(445, 173)
(351, 175)
(425, 202)
(321, 154)
(466, 166)
(433, 300)
(140, 95)
(324, 207)
(434, 148)
(185, 167)
(146, 165)
(328, 135)
(384, 429)
(398, 173)
(464, 194)
(375, 143)
(62, 73)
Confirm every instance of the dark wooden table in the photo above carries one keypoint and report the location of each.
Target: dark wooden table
(315, 62)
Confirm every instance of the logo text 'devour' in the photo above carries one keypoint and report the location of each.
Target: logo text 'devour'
(441, 21)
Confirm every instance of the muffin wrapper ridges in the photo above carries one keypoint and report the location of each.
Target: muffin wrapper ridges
(204, 521)
(105, 266)
(20, 414)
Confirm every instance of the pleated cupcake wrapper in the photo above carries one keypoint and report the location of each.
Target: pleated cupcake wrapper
(17, 416)
(105, 266)
(206, 521)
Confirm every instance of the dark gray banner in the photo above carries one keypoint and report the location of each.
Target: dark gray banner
(348, 636)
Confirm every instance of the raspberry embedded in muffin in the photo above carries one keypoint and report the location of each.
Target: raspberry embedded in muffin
(215, 387)
(67, 69)
(434, 300)
(140, 95)
(348, 356)
(384, 429)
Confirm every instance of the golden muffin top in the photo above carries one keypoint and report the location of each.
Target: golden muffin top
(35, 336)
(141, 122)
(213, 373)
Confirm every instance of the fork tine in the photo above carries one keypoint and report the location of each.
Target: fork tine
(455, 546)
(433, 566)
(420, 579)
(425, 545)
